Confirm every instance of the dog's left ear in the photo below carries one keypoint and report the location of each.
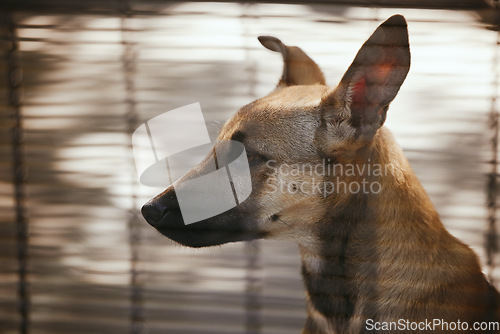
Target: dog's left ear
(298, 68)
(373, 79)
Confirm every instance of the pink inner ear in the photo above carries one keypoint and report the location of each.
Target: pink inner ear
(383, 70)
(359, 93)
(378, 75)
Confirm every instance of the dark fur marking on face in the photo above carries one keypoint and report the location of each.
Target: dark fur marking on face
(238, 136)
(275, 217)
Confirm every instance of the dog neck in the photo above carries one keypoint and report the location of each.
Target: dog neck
(368, 239)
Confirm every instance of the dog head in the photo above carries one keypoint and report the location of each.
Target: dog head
(302, 122)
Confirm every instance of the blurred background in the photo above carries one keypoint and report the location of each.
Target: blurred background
(78, 77)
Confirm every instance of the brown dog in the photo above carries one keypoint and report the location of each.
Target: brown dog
(327, 174)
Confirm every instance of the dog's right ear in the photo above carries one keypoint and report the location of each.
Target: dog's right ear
(298, 68)
(371, 82)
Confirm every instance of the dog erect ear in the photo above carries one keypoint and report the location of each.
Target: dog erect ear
(373, 79)
(298, 68)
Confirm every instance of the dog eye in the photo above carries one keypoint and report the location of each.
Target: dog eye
(255, 158)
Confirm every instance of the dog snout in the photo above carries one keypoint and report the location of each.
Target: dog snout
(159, 207)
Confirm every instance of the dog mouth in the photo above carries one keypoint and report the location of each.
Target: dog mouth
(223, 228)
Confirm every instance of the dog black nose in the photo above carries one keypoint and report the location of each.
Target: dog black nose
(163, 206)
(153, 212)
